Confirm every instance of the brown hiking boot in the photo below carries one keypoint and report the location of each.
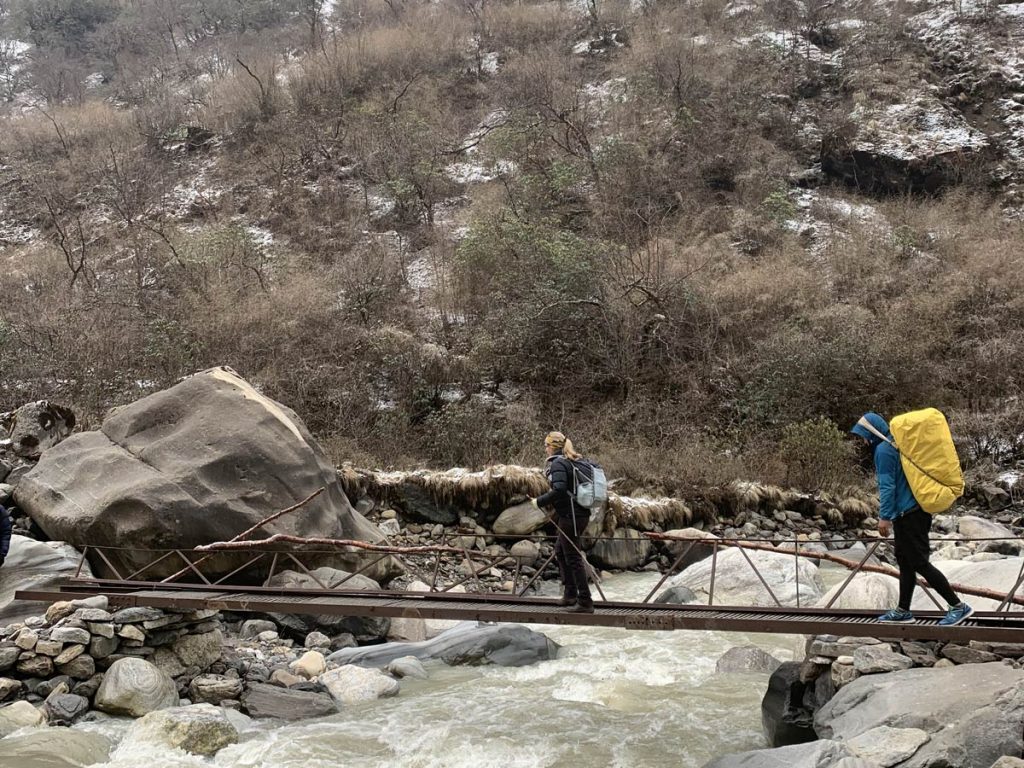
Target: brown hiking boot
(582, 608)
(567, 601)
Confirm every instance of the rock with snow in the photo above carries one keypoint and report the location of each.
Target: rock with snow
(918, 146)
(199, 462)
(38, 426)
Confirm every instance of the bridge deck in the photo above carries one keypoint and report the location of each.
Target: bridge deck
(988, 627)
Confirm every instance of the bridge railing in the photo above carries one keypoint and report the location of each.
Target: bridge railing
(256, 563)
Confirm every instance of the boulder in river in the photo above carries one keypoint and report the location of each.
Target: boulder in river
(973, 714)
(870, 591)
(736, 582)
(814, 754)
(201, 729)
(20, 714)
(54, 748)
(748, 658)
(504, 645)
(197, 463)
(350, 684)
(261, 700)
(365, 628)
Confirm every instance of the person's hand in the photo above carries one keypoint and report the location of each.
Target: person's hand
(885, 528)
(534, 503)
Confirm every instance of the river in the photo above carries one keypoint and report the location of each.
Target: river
(613, 698)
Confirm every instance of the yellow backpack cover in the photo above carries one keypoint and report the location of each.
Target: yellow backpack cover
(929, 458)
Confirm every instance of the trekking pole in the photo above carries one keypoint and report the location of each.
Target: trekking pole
(587, 567)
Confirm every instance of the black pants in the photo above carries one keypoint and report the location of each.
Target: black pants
(912, 550)
(569, 554)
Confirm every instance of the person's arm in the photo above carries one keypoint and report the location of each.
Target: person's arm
(887, 465)
(6, 528)
(559, 485)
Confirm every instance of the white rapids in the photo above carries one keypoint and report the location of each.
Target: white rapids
(613, 698)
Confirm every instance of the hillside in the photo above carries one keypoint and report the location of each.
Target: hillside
(685, 231)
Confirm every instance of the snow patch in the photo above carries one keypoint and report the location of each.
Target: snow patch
(908, 132)
(475, 173)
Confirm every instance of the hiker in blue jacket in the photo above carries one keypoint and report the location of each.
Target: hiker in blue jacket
(6, 528)
(901, 515)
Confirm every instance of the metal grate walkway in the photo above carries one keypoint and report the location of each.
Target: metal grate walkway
(987, 627)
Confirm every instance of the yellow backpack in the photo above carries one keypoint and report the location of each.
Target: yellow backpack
(929, 458)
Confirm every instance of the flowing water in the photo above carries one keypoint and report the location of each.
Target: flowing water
(613, 698)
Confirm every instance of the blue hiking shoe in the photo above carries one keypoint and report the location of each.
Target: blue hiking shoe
(956, 614)
(897, 616)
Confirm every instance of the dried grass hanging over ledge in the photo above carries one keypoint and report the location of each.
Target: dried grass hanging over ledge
(504, 485)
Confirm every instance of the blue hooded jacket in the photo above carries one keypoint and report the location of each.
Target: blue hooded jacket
(894, 494)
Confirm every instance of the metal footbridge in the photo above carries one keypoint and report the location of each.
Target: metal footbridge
(185, 580)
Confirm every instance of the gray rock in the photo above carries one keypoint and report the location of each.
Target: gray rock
(973, 713)
(506, 645)
(39, 426)
(814, 754)
(201, 729)
(218, 453)
(8, 657)
(262, 700)
(34, 565)
(1007, 761)
(88, 688)
(8, 688)
(921, 655)
(365, 628)
(349, 684)
(786, 707)
(887, 746)
(317, 640)
(213, 689)
(54, 748)
(872, 659)
(407, 666)
(5, 469)
(737, 584)
(102, 647)
(92, 614)
(49, 648)
(698, 546)
(137, 615)
(82, 667)
(253, 627)
(32, 665)
(626, 549)
(20, 714)
(963, 655)
(677, 596)
(748, 658)
(135, 687)
(520, 520)
(526, 551)
(6, 492)
(65, 708)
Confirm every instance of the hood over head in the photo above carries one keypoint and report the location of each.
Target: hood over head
(860, 428)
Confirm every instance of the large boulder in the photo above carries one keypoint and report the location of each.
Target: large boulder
(366, 628)
(626, 549)
(786, 709)
(747, 658)
(54, 748)
(134, 687)
(197, 463)
(350, 684)
(34, 565)
(504, 645)
(19, 715)
(972, 714)
(815, 754)
(736, 583)
(190, 652)
(696, 544)
(920, 146)
(201, 729)
(520, 520)
(998, 575)
(37, 426)
(1005, 542)
(869, 591)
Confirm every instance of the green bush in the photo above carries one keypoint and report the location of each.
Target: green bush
(817, 455)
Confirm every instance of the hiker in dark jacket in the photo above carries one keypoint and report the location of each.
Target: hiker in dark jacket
(570, 519)
(6, 527)
(900, 514)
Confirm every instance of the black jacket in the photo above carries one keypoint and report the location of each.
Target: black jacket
(562, 495)
(6, 527)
